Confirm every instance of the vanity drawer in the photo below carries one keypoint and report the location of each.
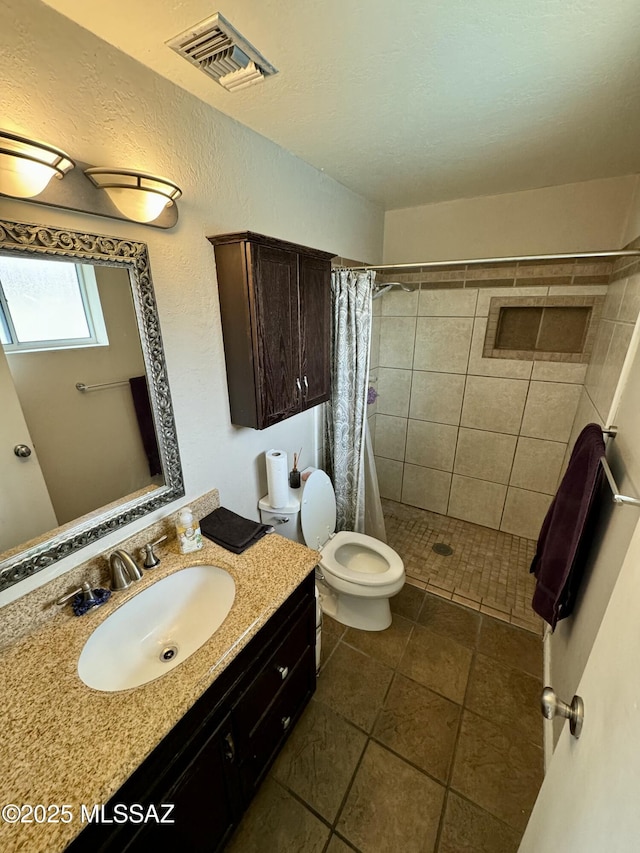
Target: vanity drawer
(267, 738)
(276, 672)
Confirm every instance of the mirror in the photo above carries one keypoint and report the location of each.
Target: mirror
(88, 435)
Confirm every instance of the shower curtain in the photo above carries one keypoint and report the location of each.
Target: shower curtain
(346, 415)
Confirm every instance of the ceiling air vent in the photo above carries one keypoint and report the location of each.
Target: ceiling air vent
(220, 51)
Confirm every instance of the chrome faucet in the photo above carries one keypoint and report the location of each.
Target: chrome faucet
(123, 570)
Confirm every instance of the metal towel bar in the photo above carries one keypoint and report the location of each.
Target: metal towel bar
(617, 497)
(84, 388)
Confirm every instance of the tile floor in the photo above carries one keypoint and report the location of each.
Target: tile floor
(403, 748)
(487, 571)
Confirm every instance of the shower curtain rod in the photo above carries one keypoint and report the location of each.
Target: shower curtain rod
(622, 253)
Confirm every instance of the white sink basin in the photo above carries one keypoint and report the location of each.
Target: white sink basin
(157, 629)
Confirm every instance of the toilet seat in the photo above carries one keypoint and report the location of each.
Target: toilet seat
(318, 509)
(357, 573)
(333, 562)
(352, 557)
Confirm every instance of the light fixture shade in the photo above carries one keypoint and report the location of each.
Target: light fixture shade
(27, 166)
(138, 196)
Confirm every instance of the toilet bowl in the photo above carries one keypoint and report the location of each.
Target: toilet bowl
(357, 573)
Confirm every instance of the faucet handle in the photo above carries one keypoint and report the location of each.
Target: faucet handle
(150, 559)
(84, 598)
(87, 594)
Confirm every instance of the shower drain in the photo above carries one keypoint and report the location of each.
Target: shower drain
(168, 653)
(442, 549)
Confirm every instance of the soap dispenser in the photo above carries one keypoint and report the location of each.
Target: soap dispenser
(188, 532)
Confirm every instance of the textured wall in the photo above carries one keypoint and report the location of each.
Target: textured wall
(577, 217)
(64, 85)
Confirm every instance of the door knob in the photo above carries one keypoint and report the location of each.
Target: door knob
(552, 707)
(22, 450)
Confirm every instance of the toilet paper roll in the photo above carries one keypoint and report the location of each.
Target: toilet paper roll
(277, 478)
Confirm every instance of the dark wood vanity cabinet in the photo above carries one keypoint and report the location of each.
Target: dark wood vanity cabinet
(206, 807)
(275, 305)
(211, 763)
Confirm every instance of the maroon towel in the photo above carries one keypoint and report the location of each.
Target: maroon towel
(142, 406)
(563, 542)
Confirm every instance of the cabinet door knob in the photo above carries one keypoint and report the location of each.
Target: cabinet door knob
(286, 722)
(230, 747)
(284, 671)
(298, 388)
(306, 385)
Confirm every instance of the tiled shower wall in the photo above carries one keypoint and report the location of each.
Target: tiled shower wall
(482, 439)
(619, 316)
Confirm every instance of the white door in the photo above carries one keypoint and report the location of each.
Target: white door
(590, 799)
(25, 506)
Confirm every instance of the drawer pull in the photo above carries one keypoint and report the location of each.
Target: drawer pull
(230, 747)
(286, 722)
(284, 671)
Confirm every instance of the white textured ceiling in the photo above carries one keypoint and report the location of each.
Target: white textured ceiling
(418, 101)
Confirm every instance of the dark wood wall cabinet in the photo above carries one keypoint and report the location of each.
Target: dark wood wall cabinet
(275, 305)
(211, 763)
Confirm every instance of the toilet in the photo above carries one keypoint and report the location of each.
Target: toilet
(357, 574)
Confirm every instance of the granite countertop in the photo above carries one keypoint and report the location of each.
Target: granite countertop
(65, 743)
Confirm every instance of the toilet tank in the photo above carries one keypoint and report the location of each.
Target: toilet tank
(285, 521)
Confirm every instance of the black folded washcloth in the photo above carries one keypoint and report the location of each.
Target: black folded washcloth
(232, 531)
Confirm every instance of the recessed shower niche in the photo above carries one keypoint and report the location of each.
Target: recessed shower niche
(547, 328)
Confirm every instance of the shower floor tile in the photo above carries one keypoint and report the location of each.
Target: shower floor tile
(488, 570)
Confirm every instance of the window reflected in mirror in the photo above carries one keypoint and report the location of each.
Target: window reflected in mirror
(49, 305)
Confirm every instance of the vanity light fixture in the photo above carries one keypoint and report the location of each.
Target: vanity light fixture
(27, 166)
(137, 195)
